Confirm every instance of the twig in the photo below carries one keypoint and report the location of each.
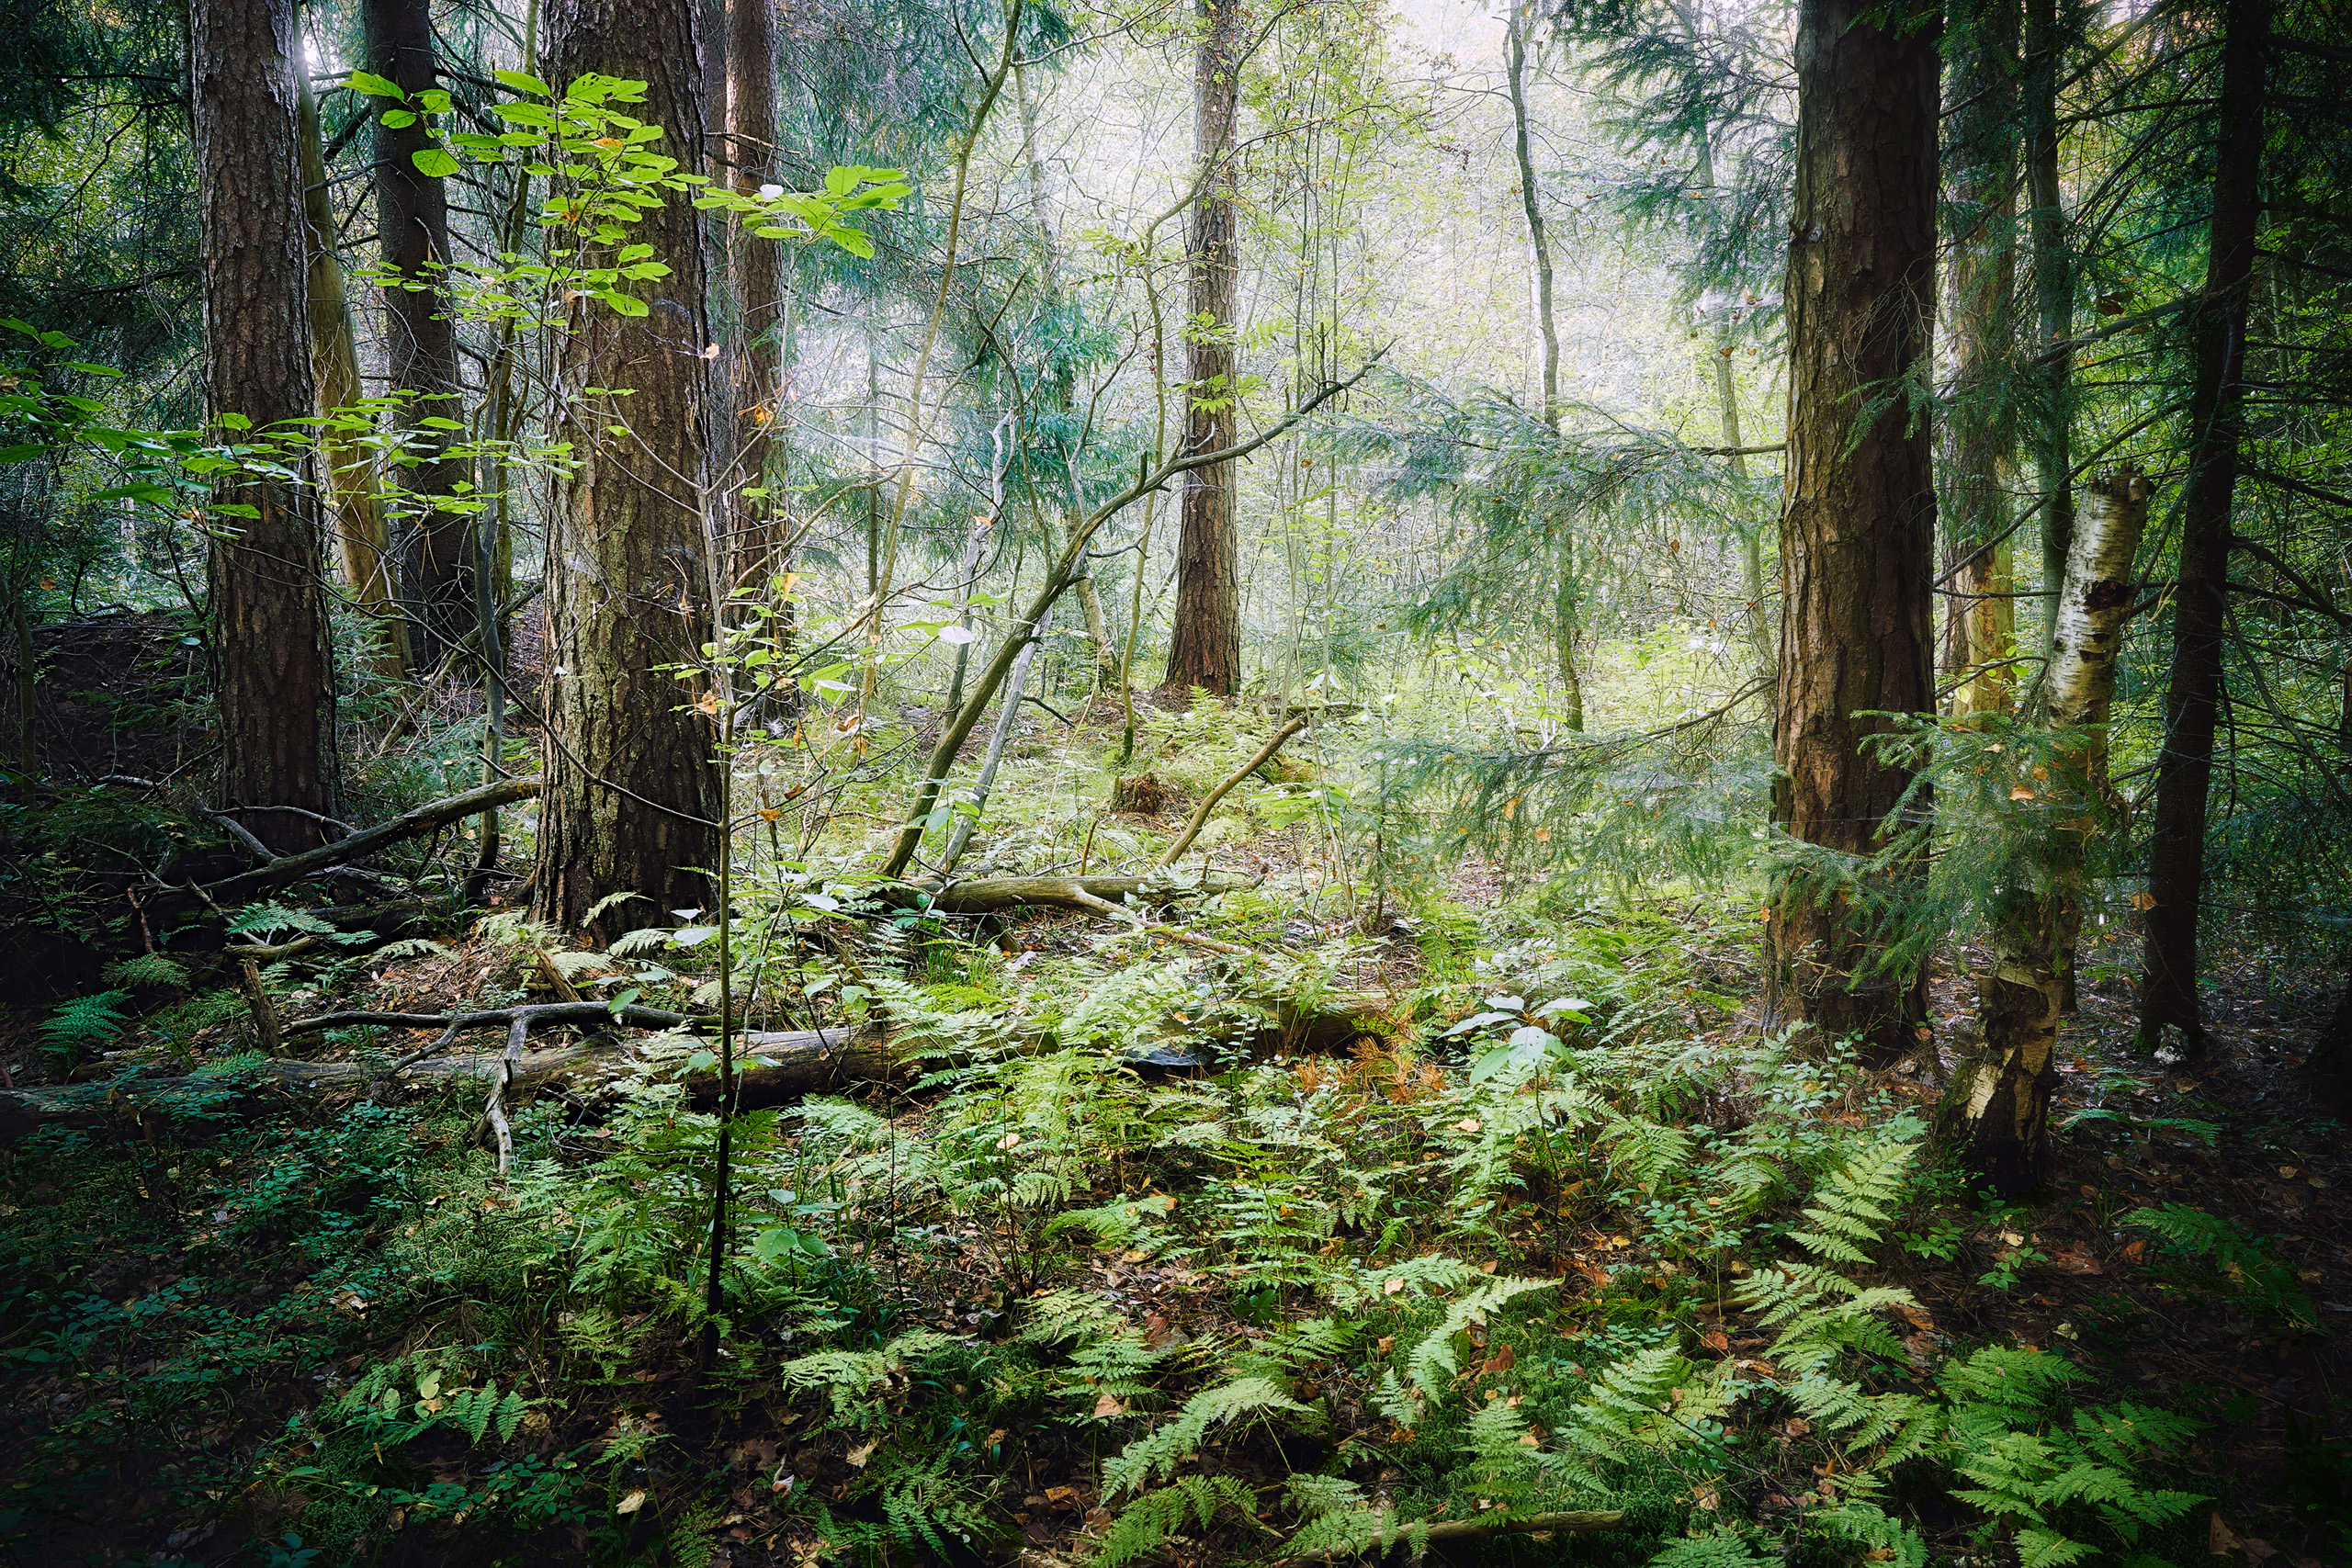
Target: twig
(1208, 802)
(1086, 900)
(516, 1033)
(243, 835)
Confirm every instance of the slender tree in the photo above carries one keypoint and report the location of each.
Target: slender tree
(1539, 251)
(266, 597)
(753, 158)
(632, 791)
(2170, 1013)
(1858, 513)
(412, 226)
(1980, 433)
(1205, 646)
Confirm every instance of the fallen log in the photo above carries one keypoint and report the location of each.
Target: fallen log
(425, 818)
(772, 1067)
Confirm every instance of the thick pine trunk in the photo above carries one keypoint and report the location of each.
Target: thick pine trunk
(412, 224)
(1999, 1108)
(1980, 433)
(2169, 1014)
(1205, 649)
(1858, 513)
(267, 601)
(633, 789)
(361, 543)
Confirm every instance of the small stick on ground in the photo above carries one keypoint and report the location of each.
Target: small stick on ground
(1208, 802)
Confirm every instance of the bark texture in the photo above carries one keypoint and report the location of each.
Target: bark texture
(2053, 290)
(1205, 647)
(2170, 1013)
(1980, 432)
(361, 544)
(758, 266)
(1999, 1108)
(267, 601)
(1857, 512)
(413, 223)
(632, 791)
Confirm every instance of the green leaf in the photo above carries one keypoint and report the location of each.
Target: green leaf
(399, 120)
(433, 162)
(522, 83)
(626, 304)
(376, 86)
(852, 242)
(24, 454)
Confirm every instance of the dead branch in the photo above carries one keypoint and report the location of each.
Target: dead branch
(410, 824)
(1208, 802)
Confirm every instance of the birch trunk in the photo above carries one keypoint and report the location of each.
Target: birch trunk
(1999, 1113)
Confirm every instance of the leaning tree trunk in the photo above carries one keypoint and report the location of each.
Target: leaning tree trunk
(269, 606)
(1858, 514)
(1980, 433)
(632, 792)
(2168, 1006)
(1205, 649)
(1998, 1110)
(412, 226)
(360, 540)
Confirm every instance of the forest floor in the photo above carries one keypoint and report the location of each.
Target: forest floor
(1536, 1240)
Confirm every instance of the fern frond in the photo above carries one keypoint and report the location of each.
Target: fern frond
(1438, 1358)
(145, 969)
(1145, 1524)
(1161, 1450)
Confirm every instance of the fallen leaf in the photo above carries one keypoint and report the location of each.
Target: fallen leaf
(1715, 1340)
(2288, 1171)
(2219, 1538)
(1394, 1287)
(1797, 1426)
(630, 1504)
(2256, 1548)
(1467, 1124)
(859, 1455)
(1060, 1496)
(1107, 1406)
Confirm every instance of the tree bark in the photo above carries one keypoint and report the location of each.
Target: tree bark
(2053, 290)
(632, 788)
(1858, 513)
(269, 609)
(412, 224)
(1548, 368)
(2170, 1013)
(1980, 433)
(1205, 646)
(360, 538)
(1998, 1110)
(758, 266)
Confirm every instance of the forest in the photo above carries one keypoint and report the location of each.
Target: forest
(1082, 782)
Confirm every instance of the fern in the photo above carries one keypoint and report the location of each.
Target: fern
(1856, 1203)
(1438, 1358)
(1159, 1452)
(2240, 1257)
(268, 918)
(1717, 1548)
(146, 969)
(1149, 1522)
(84, 1025)
(850, 1375)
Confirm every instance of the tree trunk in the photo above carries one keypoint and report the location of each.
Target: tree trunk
(412, 222)
(1858, 515)
(2170, 1013)
(1980, 433)
(2053, 290)
(360, 538)
(1998, 1109)
(633, 789)
(758, 266)
(1539, 252)
(1204, 647)
(269, 609)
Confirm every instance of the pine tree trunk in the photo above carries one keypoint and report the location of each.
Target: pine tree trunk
(412, 222)
(1858, 516)
(361, 542)
(632, 790)
(1980, 434)
(758, 267)
(2169, 1014)
(1205, 647)
(267, 603)
(1998, 1110)
(2053, 290)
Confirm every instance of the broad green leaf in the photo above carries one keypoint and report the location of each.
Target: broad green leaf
(433, 162)
(376, 86)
